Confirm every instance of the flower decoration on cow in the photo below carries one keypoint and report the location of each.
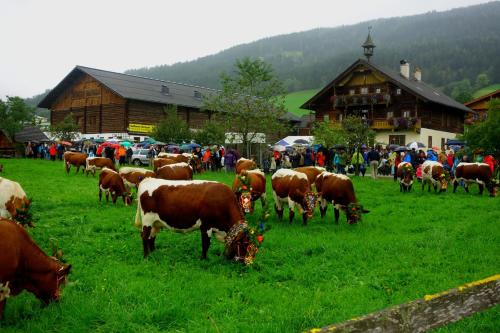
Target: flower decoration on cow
(408, 169)
(245, 195)
(24, 216)
(354, 212)
(243, 242)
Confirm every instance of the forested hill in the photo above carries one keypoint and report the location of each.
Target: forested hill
(448, 46)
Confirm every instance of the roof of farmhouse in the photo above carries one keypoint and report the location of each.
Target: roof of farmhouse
(135, 87)
(419, 88)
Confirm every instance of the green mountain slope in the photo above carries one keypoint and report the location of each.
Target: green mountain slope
(486, 90)
(294, 100)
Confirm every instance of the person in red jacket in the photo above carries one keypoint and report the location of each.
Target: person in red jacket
(53, 152)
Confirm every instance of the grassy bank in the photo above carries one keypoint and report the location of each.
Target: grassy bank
(407, 246)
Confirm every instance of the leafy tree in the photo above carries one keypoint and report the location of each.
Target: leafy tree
(486, 134)
(357, 132)
(251, 101)
(211, 133)
(172, 128)
(65, 130)
(462, 92)
(14, 114)
(482, 80)
(328, 134)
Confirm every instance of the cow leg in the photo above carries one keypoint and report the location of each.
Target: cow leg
(205, 243)
(409, 188)
(291, 213)
(277, 206)
(107, 196)
(481, 188)
(146, 232)
(400, 187)
(100, 194)
(323, 207)
(466, 187)
(337, 214)
(455, 184)
(114, 196)
(304, 218)
(152, 245)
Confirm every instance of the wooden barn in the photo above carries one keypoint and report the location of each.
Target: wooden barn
(107, 104)
(399, 106)
(481, 105)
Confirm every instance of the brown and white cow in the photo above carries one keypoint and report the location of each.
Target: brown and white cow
(434, 173)
(112, 184)
(98, 163)
(24, 266)
(312, 172)
(338, 190)
(293, 187)
(12, 198)
(257, 181)
(479, 173)
(245, 164)
(184, 206)
(76, 159)
(177, 171)
(184, 157)
(161, 161)
(133, 176)
(405, 175)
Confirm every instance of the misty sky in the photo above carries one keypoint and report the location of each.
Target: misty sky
(43, 40)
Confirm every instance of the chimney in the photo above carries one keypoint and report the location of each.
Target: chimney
(418, 74)
(405, 69)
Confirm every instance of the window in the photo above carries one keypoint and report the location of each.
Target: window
(429, 141)
(352, 91)
(364, 90)
(378, 90)
(442, 143)
(197, 94)
(390, 114)
(397, 140)
(406, 114)
(326, 117)
(398, 91)
(165, 90)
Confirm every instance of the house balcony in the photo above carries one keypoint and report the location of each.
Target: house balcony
(396, 124)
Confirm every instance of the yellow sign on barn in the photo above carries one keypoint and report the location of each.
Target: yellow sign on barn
(141, 128)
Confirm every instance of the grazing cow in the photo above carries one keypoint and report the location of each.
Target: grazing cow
(338, 189)
(245, 164)
(312, 172)
(434, 173)
(24, 266)
(133, 176)
(12, 199)
(94, 163)
(184, 206)
(110, 182)
(177, 171)
(405, 175)
(161, 161)
(73, 158)
(479, 173)
(293, 187)
(257, 181)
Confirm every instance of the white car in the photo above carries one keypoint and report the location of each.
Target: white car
(140, 157)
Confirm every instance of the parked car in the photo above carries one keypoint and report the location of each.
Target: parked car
(140, 157)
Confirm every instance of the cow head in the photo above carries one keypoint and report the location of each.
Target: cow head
(443, 180)
(354, 212)
(246, 202)
(310, 199)
(128, 197)
(47, 285)
(242, 243)
(492, 187)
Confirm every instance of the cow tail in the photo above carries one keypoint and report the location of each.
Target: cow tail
(138, 222)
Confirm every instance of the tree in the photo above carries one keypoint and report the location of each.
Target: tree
(252, 100)
(173, 128)
(486, 134)
(66, 130)
(357, 132)
(211, 133)
(462, 91)
(482, 80)
(14, 114)
(328, 134)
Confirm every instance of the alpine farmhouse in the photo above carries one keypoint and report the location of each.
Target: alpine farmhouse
(400, 107)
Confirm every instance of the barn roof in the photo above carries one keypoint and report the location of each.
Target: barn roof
(30, 133)
(418, 88)
(135, 87)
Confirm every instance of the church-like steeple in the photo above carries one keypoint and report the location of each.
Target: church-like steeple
(368, 45)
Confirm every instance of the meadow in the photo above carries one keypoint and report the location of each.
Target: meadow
(303, 277)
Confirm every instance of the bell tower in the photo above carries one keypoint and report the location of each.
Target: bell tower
(368, 45)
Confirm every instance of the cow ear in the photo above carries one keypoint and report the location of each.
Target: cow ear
(365, 211)
(64, 270)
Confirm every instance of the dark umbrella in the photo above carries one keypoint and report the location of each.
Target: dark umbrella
(392, 146)
(301, 141)
(401, 148)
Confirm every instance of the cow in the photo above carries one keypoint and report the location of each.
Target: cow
(110, 182)
(434, 173)
(312, 172)
(24, 266)
(479, 173)
(12, 199)
(338, 190)
(257, 182)
(133, 176)
(73, 158)
(94, 163)
(184, 206)
(177, 171)
(245, 164)
(184, 157)
(405, 174)
(161, 161)
(293, 187)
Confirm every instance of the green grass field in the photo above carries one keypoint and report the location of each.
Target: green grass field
(294, 100)
(409, 245)
(486, 90)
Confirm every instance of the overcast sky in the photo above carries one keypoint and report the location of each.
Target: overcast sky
(41, 41)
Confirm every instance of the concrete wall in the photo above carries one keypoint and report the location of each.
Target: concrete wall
(411, 135)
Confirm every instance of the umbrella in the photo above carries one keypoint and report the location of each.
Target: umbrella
(301, 141)
(401, 148)
(125, 144)
(66, 143)
(392, 146)
(279, 148)
(415, 145)
(99, 140)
